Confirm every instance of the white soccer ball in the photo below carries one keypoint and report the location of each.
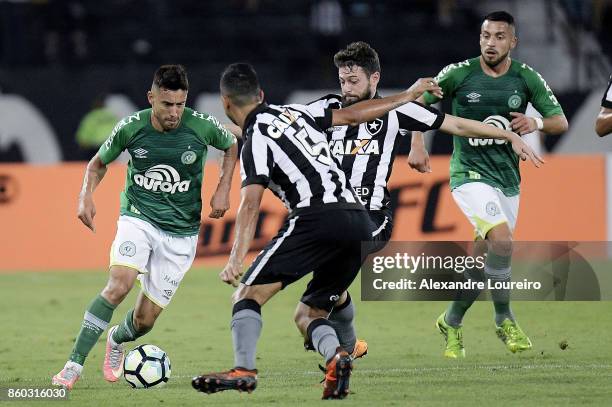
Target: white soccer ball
(146, 366)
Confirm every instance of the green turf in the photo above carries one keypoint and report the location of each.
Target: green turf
(41, 313)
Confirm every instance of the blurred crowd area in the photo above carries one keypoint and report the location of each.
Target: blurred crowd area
(82, 32)
(83, 50)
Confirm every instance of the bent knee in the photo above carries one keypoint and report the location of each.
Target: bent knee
(501, 247)
(116, 291)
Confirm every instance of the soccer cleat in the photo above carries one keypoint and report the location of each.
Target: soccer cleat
(337, 374)
(453, 337)
(68, 376)
(513, 336)
(113, 359)
(360, 349)
(235, 379)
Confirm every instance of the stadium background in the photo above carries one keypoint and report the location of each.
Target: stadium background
(57, 57)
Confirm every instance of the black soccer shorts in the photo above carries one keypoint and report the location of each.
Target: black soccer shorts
(383, 228)
(326, 243)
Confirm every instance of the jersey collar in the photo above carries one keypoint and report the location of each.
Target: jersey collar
(250, 119)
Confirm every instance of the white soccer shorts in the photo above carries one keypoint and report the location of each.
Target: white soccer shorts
(161, 259)
(486, 206)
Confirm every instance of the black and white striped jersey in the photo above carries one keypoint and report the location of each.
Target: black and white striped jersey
(366, 152)
(287, 151)
(607, 97)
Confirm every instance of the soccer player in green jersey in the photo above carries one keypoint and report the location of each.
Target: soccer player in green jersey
(484, 174)
(158, 227)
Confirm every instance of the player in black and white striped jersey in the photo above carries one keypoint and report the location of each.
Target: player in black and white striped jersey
(367, 151)
(286, 150)
(307, 178)
(603, 124)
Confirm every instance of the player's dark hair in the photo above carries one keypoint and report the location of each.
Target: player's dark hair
(503, 16)
(171, 77)
(358, 54)
(239, 82)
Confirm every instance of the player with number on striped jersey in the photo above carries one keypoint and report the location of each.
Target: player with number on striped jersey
(286, 150)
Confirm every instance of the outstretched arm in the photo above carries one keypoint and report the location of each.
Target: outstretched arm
(94, 173)
(246, 223)
(603, 124)
(459, 126)
(374, 108)
(220, 201)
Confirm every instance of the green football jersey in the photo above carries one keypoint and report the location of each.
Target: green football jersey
(476, 95)
(164, 175)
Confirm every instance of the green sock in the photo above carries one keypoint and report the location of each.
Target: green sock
(126, 332)
(497, 268)
(464, 299)
(455, 312)
(96, 319)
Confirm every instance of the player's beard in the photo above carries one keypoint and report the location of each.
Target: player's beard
(495, 62)
(167, 125)
(365, 96)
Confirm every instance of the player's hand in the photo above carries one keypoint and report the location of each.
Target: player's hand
(522, 124)
(418, 159)
(524, 151)
(87, 211)
(423, 85)
(231, 273)
(219, 203)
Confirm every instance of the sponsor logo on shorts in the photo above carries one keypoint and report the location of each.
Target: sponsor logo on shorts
(127, 249)
(162, 178)
(188, 157)
(169, 280)
(167, 294)
(492, 209)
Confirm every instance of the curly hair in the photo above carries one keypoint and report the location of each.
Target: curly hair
(358, 54)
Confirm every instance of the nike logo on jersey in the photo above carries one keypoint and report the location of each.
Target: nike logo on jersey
(354, 147)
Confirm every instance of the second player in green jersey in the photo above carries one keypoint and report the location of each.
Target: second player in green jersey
(479, 96)
(484, 174)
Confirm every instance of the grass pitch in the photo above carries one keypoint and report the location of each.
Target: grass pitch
(41, 314)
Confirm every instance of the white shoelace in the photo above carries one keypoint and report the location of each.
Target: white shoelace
(70, 373)
(115, 356)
